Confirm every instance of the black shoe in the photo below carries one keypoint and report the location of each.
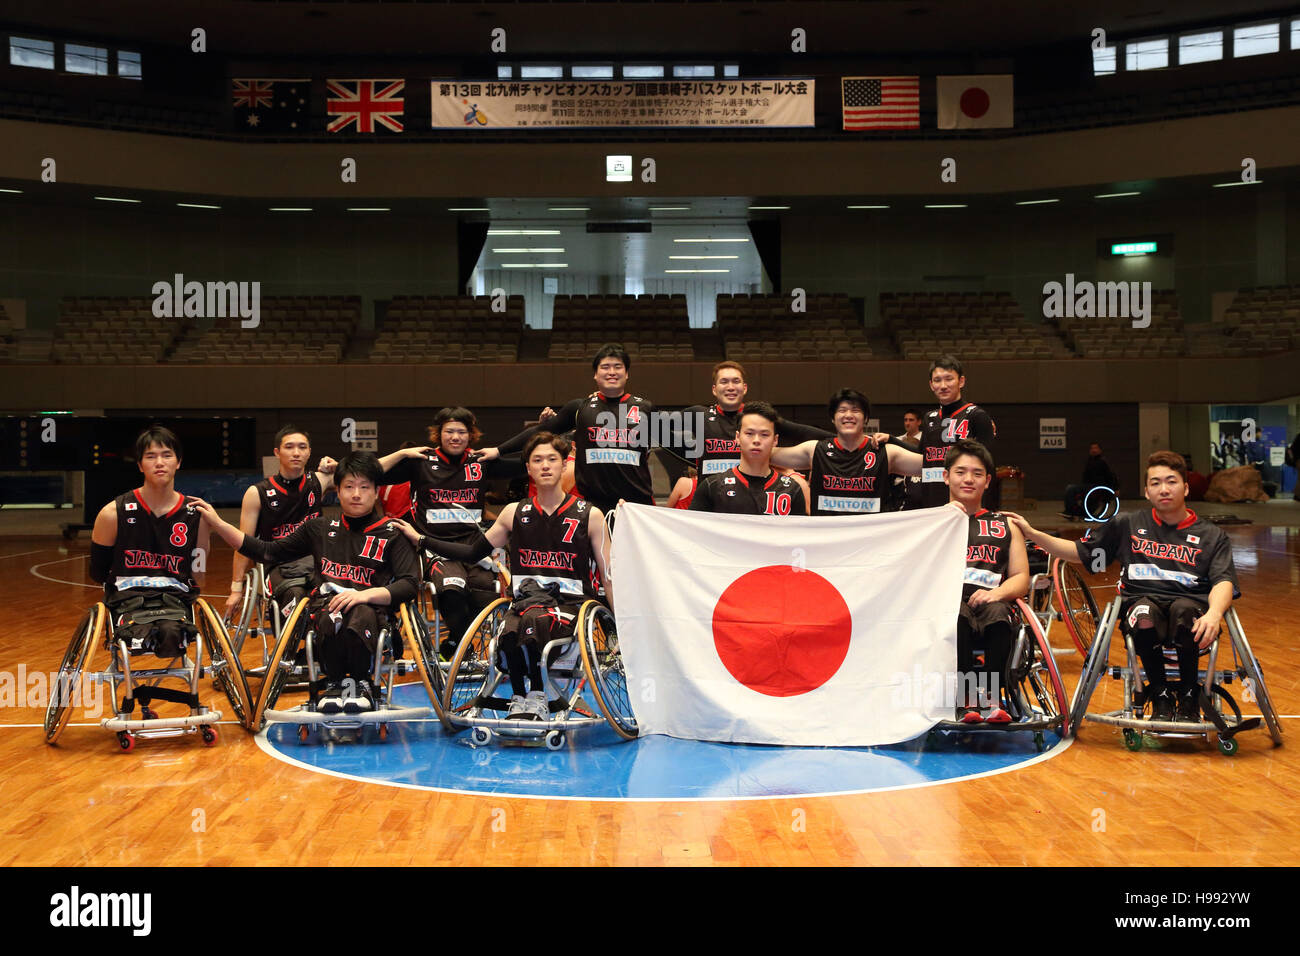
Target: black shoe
(1162, 704)
(448, 649)
(331, 699)
(1189, 708)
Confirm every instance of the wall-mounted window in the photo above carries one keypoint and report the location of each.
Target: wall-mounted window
(1103, 61)
(643, 72)
(694, 70)
(733, 69)
(1295, 34)
(1146, 54)
(505, 72)
(539, 71)
(24, 51)
(1256, 39)
(128, 64)
(593, 71)
(92, 60)
(1200, 47)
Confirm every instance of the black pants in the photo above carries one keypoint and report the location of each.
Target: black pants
(524, 636)
(1155, 623)
(462, 590)
(987, 626)
(346, 648)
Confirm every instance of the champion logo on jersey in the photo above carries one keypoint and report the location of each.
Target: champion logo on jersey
(1142, 530)
(333, 534)
(731, 493)
(524, 519)
(274, 504)
(130, 521)
(130, 506)
(1193, 539)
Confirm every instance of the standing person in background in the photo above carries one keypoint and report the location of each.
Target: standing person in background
(941, 428)
(905, 493)
(911, 427)
(1096, 472)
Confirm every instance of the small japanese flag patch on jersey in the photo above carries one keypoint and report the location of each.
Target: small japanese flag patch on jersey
(270, 492)
(1193, 539)
(729, 480)
(130, 506)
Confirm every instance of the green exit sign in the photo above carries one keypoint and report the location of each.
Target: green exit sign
(1132, 248)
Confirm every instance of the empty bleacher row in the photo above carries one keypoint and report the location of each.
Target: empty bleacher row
(448, 328)
(653, 328)
(973, 325)
(764, 328)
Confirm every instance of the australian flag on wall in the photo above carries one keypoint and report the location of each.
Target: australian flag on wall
(270, 105)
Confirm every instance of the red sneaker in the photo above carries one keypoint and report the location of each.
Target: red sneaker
(971, 716)
(998, 716)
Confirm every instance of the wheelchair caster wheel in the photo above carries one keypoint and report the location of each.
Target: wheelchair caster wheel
(1228, 745)
(554, 739)
(209, 735)
(303, 733)
(383, 731)
(1132, 739)
(481, 736)
(126, 741)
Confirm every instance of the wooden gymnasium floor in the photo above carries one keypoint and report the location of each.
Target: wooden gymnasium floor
(84, 803)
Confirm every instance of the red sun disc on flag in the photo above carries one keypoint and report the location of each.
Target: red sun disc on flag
(782, 631)
(974, 102)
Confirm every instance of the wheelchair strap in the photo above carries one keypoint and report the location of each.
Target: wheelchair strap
(147, 694)
(146, 608)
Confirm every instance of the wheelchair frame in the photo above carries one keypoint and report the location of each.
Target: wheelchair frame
(1033, 689)
(385, 669)
(96, 627)
(474, 677)
(260, 616)
(1225, 727)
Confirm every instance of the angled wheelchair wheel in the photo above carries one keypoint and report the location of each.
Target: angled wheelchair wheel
(1046, 690)
(249, 609)
(279, 668)
(598, 639)
(65, 691)
(223, 661)
(1250, 665)
(1094, 665)
(416, 636)
(472, 662)
(1078, 606)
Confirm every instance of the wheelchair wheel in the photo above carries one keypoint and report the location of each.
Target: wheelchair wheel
(598, 639)
(1251, 669)
(1043, 680)
(89, 632)
(280, 666)
(249, 610)
(472, 661)
(1078, 606)
(415, 633)
(223, 661)
(1094, 665)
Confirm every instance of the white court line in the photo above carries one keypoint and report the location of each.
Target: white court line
(15, 726)
(21, 553)
(79, 584)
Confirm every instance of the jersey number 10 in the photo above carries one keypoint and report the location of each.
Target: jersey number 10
(777, 504)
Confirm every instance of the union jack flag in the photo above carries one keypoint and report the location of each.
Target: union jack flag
(250, 94)
(365, 103)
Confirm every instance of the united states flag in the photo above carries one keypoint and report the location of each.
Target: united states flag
(369, 104)
(881, 102)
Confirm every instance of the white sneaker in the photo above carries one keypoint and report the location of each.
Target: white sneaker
(518, 709)
(536, 707)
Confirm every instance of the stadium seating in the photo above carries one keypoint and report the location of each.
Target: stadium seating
(1116, 338)
(1259, 321)
(762, 328)
(442, 329)
(653, 328)
(293, 330)
(105, 330)
(974, 325)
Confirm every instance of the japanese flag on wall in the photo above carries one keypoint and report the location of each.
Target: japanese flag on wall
(815, 631)
(971, 102)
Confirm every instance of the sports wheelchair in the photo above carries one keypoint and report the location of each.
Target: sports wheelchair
(586, 660)
(144, 684)
(427, 604)
(1075, 604)
(404, 630)
(1214, 697)
(262, 619)
(1032, 691)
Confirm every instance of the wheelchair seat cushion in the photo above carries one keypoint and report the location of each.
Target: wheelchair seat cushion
(152, 622)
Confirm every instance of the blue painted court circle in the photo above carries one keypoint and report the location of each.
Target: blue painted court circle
(596, 764)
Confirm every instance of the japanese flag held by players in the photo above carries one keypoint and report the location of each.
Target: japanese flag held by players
(800, 632)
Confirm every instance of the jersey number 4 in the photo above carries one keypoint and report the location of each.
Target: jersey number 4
(953, 430)
(777, 504)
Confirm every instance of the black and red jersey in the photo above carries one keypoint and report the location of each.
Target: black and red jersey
(286, 504)
(350, 553)
(1164, 560)
(554, 548)
(720, 451)
(447, 490)
(740, 494)
(988, 544)
(685, 503)
(154, 552)
(941, 428)
(848, 480)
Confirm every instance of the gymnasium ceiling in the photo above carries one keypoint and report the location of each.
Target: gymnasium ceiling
(602, 29)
